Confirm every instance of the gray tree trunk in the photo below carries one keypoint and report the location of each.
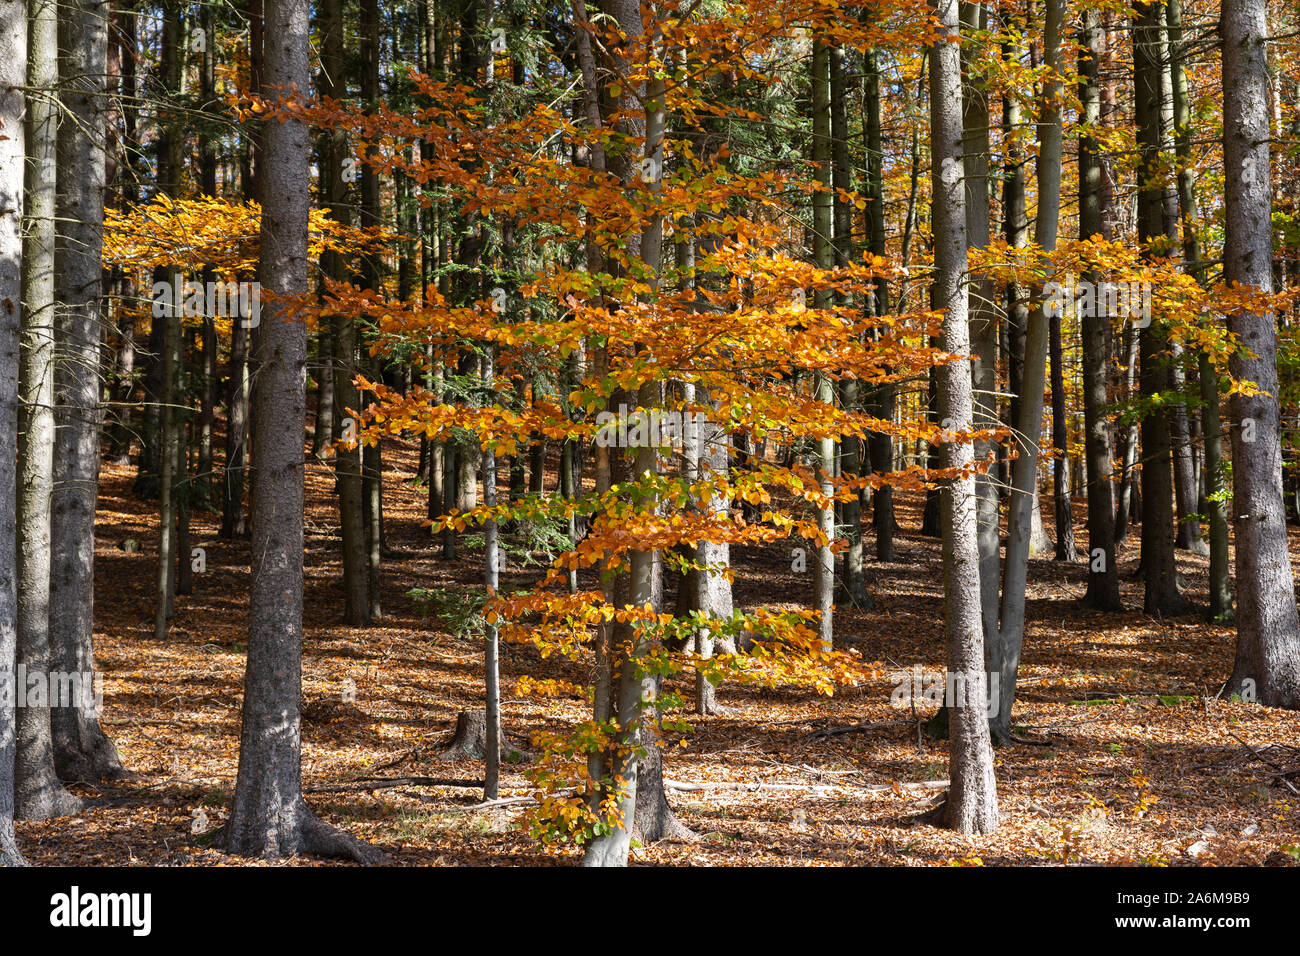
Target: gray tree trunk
(81, 749)
(13, 69)
(1215, 507)
(1268, 647)
(347, 461)
(38, 794)
(268, 815)
(823, 389)
(1004, 654)
(972, 805)
(1103, 572)
(882, 399)
(491, 579)
(983, 318)
(1157, 482)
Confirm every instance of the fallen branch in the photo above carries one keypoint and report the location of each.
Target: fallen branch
(816, 788)
(1259, 755)
(383, 783)
(485, 805)
(859, 728)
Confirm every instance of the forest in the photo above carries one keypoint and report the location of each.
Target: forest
(669, 433)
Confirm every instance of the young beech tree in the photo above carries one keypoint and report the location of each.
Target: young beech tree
(729, 327)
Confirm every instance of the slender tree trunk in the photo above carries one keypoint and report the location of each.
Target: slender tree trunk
(1216, 505)
(13, 70)
(268, 815)
(880, 444)
(1103, 572)
(38, 794)
(347, 460)
(823, 389)
(1065, 548)
(983, 316)
(491, 579)
(1157, 490)
(1268, 646)
(1004, 655)
(81, 749)
(635, 691)
(201, 490)
(972, 804)
(233, 523)
(1128, 499)
(170, 319)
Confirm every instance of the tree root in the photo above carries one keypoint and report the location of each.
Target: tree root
(307, 834)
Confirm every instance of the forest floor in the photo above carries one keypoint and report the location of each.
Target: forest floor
(1136, 762)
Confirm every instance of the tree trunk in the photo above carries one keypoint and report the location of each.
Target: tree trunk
(38, 794)
(1215, 503)
(1065, 549)
(983, 318)
(823, 390)
(13, 69)
(1157, 490)
(491, 579)
(233, 523)
(972, 805)
(880, 445)
(1127, 505)
(1103, 572)
(1004, 654)
(634, 698)
(81, 749)
(268, 815)
(1268, 647)
(170, 319)
(347, 459)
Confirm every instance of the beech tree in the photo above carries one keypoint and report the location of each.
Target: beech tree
(971, 805)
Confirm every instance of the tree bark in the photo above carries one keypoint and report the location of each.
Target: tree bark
(971, 805)
(1268, 646)
(268, 815)
(13, 69)
(81, 749)
(1216, 505)
(983, 317)
(880, 445)
(1103, 571)
(1157, 490)
(823, 390)
(347, 460)
(38, 794)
